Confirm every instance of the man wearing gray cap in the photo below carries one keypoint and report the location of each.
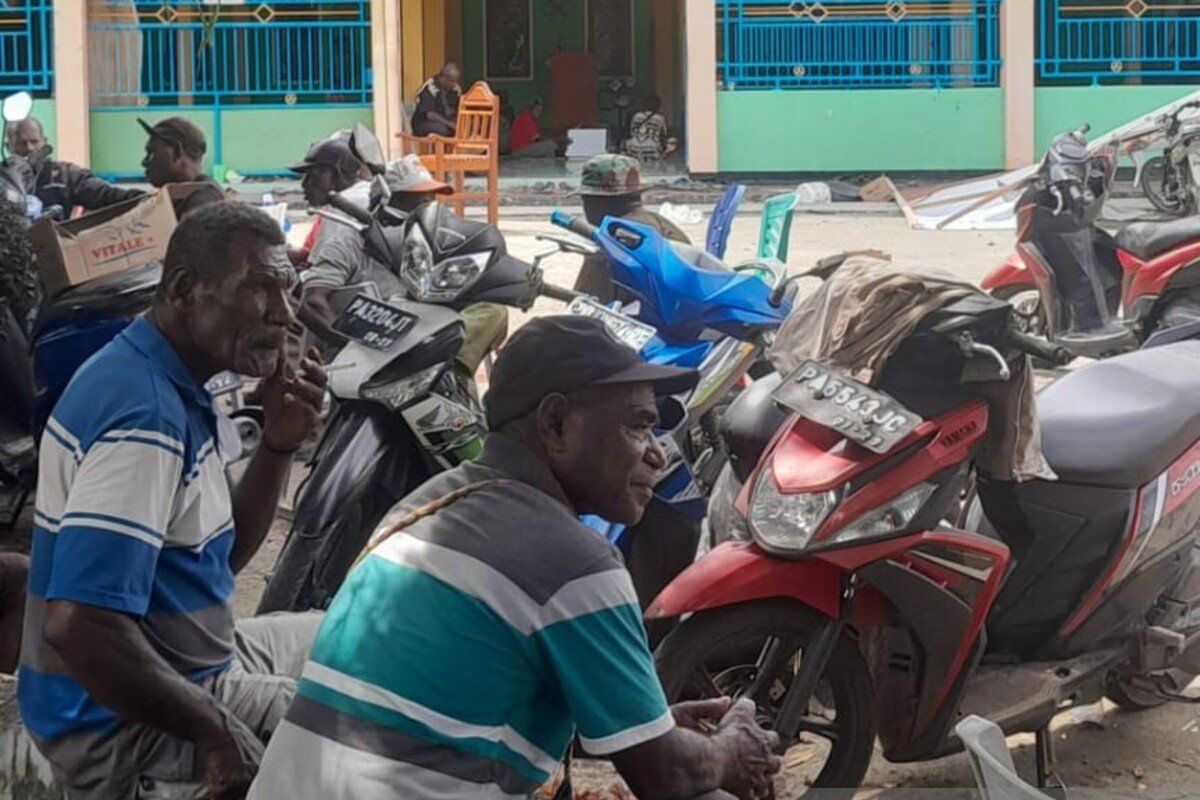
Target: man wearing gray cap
(461, 657)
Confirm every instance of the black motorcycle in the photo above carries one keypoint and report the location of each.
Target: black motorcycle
(400, 414)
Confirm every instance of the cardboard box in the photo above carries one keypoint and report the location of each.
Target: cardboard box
(110, 240)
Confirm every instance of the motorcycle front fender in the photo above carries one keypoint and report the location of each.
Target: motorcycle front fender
(739, 572)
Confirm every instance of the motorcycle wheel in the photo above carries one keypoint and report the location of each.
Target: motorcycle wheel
(716, 653)
(1153, 185)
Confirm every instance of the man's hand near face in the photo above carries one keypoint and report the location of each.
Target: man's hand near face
(291, 400)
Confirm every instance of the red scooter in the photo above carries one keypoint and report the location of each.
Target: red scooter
(855, 610)
(1090, 292)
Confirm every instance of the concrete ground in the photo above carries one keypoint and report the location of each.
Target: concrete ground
(1154, 753)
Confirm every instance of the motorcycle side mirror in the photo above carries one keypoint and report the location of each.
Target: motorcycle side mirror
(367, 149)
(953, 325)
(17, 107)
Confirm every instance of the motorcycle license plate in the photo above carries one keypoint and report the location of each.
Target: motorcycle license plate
(861, 414)
(627, 330)
(373, 322)
(223, 382)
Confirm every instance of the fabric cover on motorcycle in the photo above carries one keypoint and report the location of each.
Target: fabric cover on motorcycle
(1122, 421)
(1149, 239)
(862, 314)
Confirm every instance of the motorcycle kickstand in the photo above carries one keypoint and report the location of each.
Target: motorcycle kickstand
(1047, 778)
(812, 665)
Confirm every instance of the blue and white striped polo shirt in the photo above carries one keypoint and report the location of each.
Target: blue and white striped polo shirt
(134, 515)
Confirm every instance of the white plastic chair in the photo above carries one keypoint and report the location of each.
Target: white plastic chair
(992, 764)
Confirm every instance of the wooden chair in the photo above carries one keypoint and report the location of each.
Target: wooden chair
(474, 149)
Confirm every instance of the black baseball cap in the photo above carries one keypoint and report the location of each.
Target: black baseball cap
(180, 132)
(566, 353)
(335, 153)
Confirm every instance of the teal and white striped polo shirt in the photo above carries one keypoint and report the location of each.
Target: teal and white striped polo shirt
(461, 655)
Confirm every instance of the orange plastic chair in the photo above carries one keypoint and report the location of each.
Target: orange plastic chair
(475, 149)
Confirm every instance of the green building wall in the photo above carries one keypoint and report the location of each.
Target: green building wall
(253, 140)
(860, 129)
(906, 129)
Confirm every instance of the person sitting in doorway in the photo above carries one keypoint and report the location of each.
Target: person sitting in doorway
(486, 627)
(526, 139)
(648, 132)
(437, 103)
(611, 186)
(60, 183)
(175, 149)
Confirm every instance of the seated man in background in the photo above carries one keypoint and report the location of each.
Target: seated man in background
(437, 103)
(611, 186)
(526, 136)
(175, 149)
(486, 626)
(59, 182)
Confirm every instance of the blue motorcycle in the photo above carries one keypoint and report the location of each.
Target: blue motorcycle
(686, 309)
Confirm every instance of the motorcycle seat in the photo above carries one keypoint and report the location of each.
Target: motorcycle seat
(750, 422)
(1145, 240)
(1122, 421)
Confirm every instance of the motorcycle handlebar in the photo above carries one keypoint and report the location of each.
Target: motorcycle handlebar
(575, 224)
(349, 208)
(557, 293)
(1040, 348)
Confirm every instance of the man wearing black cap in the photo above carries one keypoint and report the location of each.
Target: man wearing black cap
(175, 150)
(496, 626)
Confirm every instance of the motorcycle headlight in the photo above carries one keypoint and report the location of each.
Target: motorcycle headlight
(397, 394)
(432, 282)
(893, 516)
(786, 522)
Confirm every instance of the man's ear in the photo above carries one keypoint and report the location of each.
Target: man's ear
(551, 422)
(178, 286)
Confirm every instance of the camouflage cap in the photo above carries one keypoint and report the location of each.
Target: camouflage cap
(611, 175)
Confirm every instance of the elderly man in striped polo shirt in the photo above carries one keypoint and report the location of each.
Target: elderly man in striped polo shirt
(134, 680)
(487, 626)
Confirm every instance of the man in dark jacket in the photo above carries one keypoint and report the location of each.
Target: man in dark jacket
(175, 150)
(59, 182)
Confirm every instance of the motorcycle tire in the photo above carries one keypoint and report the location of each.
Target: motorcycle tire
(1130, 698)
(728, 640)
(1152, 185)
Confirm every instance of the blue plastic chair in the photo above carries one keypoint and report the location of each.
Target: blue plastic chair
(776, 226)
(721, 220)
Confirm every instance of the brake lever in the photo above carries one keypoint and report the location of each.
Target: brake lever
(569, 245)
(538, 258)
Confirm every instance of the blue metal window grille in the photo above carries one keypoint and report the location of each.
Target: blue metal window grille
(276, 52)
(1118, 41)
(26, 60)
(858, 43)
